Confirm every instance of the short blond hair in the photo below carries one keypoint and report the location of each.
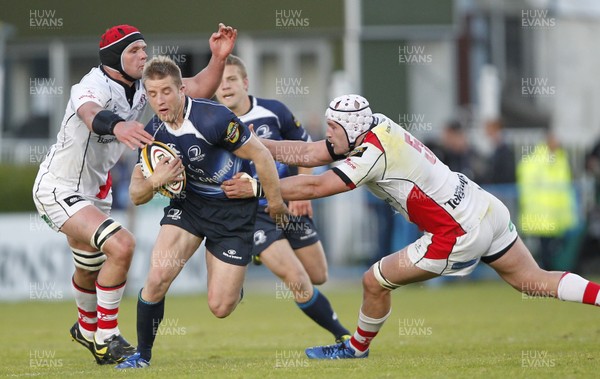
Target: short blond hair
(234, 60)
(160, 67)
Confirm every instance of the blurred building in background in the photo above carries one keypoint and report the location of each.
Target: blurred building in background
(528, 63)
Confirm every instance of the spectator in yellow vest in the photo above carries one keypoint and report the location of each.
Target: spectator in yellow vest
(546, 197)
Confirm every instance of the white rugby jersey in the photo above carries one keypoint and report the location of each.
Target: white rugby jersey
(399, 169)
(80, 159)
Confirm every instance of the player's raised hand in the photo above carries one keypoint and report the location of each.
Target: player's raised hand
(222, 42)
(132, 134)
(238, 187)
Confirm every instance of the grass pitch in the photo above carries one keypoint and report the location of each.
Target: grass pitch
(460, 330)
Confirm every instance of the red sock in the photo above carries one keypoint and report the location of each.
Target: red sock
(366, 330)
(362, 339)
(86, 309)
(572, 287)
(109, 299)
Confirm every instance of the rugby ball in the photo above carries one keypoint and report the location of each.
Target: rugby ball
(150, 155)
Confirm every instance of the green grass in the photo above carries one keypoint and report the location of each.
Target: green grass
(464, 330)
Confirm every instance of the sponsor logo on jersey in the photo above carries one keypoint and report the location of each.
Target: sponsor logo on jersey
(195, 154)
(174, 214)
(106, 139)
(459, 193)
(349, 162)
(73, 200)
(298, 124)
(233, 132)
(87, 95)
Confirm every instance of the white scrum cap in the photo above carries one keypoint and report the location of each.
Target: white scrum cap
(352, 112)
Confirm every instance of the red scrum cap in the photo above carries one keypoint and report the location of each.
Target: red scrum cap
(112, 44)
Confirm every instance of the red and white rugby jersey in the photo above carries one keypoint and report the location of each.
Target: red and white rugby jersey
(399, 169)
(81, 159)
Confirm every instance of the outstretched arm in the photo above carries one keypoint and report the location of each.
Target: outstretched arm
(301, 207)
(267, 173)
(298, 187)
(306, 187)
(299, 153)
(205, 83)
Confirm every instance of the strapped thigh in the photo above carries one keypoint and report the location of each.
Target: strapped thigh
(381, 279)
(104, 232)
(88, 260)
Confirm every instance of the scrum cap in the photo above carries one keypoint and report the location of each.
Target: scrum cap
(112, 44)
(352, 112)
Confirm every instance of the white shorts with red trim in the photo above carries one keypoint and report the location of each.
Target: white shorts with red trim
(57, 204)
(448, 255)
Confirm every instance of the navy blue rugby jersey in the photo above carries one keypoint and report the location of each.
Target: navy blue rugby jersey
(273, 120)
(205, 143)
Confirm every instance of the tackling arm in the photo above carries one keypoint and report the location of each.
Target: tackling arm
(305, 187)
(267, 173)
(299, 153)
(131, 133)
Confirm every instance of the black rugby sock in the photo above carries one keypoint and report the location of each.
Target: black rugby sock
(149, 317)
(319, 309)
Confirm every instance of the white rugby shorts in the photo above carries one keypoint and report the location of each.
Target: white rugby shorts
(57, 204)
(486, 242)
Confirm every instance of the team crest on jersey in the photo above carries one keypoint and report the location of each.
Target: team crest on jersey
(141, 104)
(296, 122)
(263, 131)
(195, 154)
(174, 214)
(233, 132)
(358, 152)
(260, 237)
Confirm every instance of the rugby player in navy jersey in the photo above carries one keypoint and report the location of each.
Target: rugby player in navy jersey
(293, 253)
(72, 191)
(213, 145)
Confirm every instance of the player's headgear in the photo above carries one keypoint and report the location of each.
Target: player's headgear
(352, 112)
(112, 44)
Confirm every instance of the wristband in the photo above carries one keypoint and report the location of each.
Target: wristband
(104, 122)
(258, 190)
(256, 186)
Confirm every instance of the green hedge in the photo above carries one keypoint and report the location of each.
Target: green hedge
(16, 187)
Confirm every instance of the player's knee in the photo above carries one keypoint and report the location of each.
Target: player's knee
(370, 283)
(296, 279)
(221, 309)
(374, 284)
(122, 247)
(86, 276)
(318, 277)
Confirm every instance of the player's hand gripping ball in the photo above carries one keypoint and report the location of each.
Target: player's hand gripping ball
(151, 155)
